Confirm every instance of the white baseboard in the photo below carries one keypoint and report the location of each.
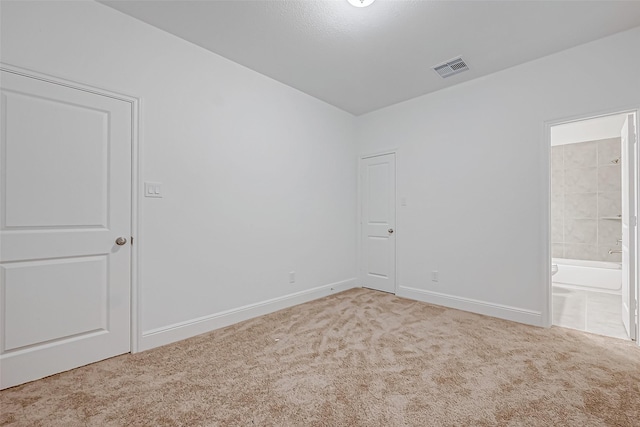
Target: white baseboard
(500, 311)
(183, 330)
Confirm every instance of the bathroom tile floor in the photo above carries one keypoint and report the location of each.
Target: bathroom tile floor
(596, 312)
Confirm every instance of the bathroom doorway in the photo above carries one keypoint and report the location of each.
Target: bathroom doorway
(593, 198)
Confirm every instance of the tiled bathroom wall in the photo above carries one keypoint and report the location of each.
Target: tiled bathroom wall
(586, 204)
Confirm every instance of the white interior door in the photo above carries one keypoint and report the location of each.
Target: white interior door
(378, 221)
(65, 199)
(628, 226)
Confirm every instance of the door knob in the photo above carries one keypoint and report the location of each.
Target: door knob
(390, 231)
(121, 241)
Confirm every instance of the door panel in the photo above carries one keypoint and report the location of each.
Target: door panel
(65, 196)
(378, 217)
(378, 193)
(378, 256)
(39, 312)
(67, 193)
(628, 137)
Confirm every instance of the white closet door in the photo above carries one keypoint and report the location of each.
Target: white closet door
(378, 216)
(65, 199)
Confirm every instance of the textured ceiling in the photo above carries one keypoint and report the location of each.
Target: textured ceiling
(362, 59)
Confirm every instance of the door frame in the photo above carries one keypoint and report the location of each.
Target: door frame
(547, 297)
(136, 138)
(362, 157)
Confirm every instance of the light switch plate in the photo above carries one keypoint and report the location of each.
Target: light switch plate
(153, 189)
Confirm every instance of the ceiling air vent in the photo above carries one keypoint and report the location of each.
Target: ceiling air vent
(451, 67)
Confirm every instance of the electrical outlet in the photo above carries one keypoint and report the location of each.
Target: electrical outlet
(292, 277)
(434, 276)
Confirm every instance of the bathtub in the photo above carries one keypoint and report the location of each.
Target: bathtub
(595, 275)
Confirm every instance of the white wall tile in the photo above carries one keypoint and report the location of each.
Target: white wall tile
(580, 155)
(557, 250)
(609, 204)
(610, 178)
(581, 205)
(609, 230)
(581, 231)
(609, 150)
(581, 251)
(557, 229)
(557, 160)
(581, 180)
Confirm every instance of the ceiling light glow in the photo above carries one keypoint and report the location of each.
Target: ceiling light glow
(360, 3)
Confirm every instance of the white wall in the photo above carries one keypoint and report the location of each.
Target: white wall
(259, 179)
(472, 163)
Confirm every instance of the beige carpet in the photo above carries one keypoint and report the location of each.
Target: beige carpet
(358, 358)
